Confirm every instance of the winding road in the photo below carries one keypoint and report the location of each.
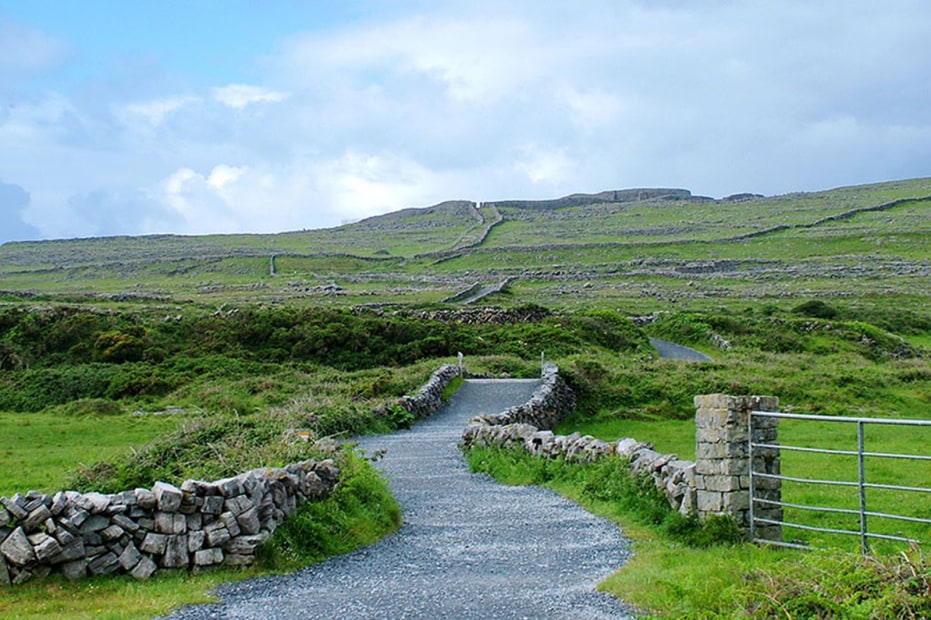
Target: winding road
(470, 548)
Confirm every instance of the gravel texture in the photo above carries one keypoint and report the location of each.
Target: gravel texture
(469, 547)
(669, 350)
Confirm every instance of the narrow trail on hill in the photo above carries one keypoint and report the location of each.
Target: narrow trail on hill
(470, 548)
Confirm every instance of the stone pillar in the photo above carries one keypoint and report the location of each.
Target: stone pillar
(722, 459)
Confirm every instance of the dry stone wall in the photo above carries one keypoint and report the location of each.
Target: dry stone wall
(430, 396)
(673, 476)
(528, 426)
(198, 525)
(716, 483)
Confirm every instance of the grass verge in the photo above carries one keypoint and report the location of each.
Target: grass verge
(682, 569)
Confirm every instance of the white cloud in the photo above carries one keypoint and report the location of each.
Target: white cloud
(408, 104)
(154, 112)
(239, 96)
(544, 165)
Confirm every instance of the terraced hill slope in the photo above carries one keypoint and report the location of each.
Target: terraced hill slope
(637, 249)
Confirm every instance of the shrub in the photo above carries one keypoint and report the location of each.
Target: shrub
(815, 309)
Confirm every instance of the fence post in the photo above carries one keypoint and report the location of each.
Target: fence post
(722, 459)
(861, 487)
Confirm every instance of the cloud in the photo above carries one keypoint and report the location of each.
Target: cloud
(154, 112)
(102, 213)
(13, 202)
(28, 50)
(239, 96)
(406, 104)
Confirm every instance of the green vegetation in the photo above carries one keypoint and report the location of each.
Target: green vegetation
(128, 359)
(41, 450)
(359, 512)
(681, 568)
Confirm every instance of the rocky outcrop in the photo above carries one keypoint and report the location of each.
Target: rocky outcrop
(196, 525)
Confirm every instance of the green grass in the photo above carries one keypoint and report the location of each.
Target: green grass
(640, 256)
(679, 570)
(42, 450)
(678, 437)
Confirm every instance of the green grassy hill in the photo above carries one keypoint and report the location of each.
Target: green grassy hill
(129, 359)
(635, 249)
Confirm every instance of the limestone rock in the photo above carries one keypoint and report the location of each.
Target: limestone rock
(17, 548)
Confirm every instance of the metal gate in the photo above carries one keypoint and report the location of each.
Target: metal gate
(859, 486)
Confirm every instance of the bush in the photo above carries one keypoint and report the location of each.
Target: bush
(815, 309)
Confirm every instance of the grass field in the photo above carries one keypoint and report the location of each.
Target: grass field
(41, 451)
(678, 437)
(818, 298)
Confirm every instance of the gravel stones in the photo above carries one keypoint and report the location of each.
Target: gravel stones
(469, 548)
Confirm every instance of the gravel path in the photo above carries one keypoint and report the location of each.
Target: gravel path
(670, 350)
(469, 547)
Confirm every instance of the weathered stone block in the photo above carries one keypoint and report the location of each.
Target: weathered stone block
(709, 501)
(154, 543)
(237, 505)
(17, 548)
(176, 553)
(144, 569)
(15, 505)
(217, 534)
(70, 551)
(75, 569)
(231, 524)
(167, 496)
(704, 451)
(207, 557)
(94, 523)
(739, 500)
(130, 557)
(249, 521)
(45, 546)
(105, 564)
(145, 499)
(230, 487)
(196, 540)
(195, 521)
(99, 503)
(124, 522)
(59, 502)
(4, 573)
(213, 504)
(111, 533)
(36, 518)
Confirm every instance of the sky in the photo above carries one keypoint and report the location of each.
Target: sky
(210, 116)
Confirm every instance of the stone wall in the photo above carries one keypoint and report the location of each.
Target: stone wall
(722, 468)
(430, 396)
(197, 525)
(549, 404)
(521, 426)
(717, 483)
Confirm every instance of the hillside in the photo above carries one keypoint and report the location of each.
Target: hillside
(638, 248)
